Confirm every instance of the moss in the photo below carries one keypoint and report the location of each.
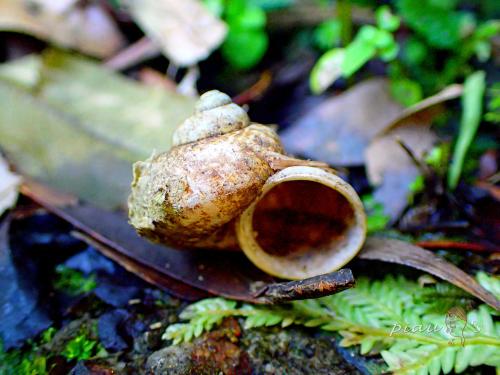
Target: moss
(293, 351)
(73, 282)
(27, 360)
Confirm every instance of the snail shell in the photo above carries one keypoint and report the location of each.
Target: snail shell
(226, 183)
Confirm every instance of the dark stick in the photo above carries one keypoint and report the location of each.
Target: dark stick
(314, 287)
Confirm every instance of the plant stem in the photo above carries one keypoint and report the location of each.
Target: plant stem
(345, 15)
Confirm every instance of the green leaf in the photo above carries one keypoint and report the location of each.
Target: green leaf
(386, 20)
(73, 282)
(357, 54)
(406, 92)
(383, 40)
(444, 4)
(440, 27)
(414, 51)
(493, 114)
(327, 35)
(389, 53)
(487, 29)
(490, 283)
(472, 98)
(326, 70)
(245, 17)
(80, 348)
(376, 220)
(244, 48)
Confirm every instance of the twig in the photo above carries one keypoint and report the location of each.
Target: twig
(421, 166)
(256, 90)
(314, 287)
(455, 245)
(307, 13)
(135, 53)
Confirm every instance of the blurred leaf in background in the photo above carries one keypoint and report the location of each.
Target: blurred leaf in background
(370, 42)
(328, 34)
(9, 184)
(247, 40)
(436, 21)
(472, 103)
(443, 43)
(86, 27)
(79, 127)
(493, 114)
(185, 30)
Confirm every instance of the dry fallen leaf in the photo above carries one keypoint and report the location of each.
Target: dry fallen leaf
(87, 28)
(186, 31)
(339, 130)
(390, 168)
(421, 109)
(9, 186)
(388, 165)
(400, 252)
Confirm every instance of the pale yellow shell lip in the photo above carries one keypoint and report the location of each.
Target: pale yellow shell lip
(314, 263)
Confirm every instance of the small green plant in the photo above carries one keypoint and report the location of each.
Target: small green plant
(442, 44)
(376, 220)
(327, 35)
(48, 335)
(493, 114)
(73, 282)
(437, 51)
(369, 42)
(246, 41)
(81, 348)
(472, 101)
(26, 361)
(394, 317)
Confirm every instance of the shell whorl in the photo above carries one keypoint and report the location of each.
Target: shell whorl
(215, 114)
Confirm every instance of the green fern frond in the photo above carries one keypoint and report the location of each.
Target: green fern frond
(202, 316)
(490, 283)
(394, 314)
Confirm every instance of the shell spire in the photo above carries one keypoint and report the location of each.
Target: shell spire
(215, 114)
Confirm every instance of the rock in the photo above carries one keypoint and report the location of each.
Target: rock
(173, 360)
(215, 352)
(110, 327)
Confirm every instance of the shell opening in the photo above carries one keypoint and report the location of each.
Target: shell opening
(306, 222)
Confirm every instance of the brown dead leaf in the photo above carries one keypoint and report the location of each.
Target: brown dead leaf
(87, 28)
(186, 31)
(391, 169)
(421, 109)
(339, 130)
(388, 165)
(400, 252)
